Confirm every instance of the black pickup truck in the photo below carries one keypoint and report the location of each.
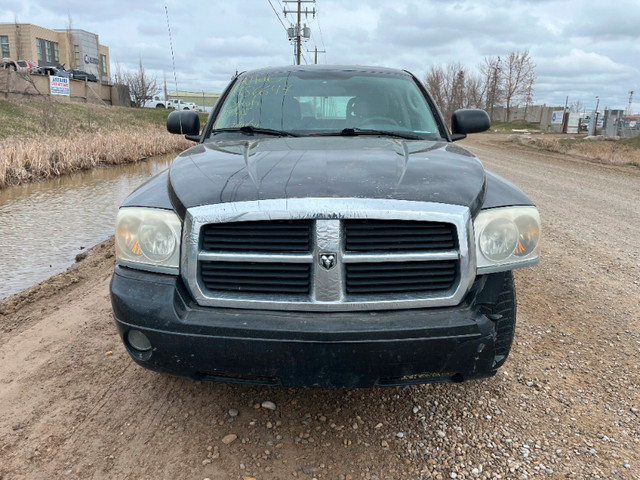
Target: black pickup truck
(324, 231)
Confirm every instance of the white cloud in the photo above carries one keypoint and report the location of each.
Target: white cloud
(579, 49)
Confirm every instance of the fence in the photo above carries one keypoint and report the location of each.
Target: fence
(15, 85)
(611, 123)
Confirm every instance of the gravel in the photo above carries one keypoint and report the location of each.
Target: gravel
(564, 405)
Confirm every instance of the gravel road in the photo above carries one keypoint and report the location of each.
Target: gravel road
(565, 405)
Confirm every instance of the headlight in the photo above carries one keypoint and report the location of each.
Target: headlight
(148, 239)
(507, 238)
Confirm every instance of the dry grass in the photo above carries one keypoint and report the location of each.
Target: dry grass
(41, 138)
(608, 152)
(27, 160)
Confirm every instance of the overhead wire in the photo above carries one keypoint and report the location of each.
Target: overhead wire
(320, 29)
(279, 19)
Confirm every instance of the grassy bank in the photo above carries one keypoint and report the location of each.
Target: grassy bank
(509, 127)
(614, 152)
(42, 139)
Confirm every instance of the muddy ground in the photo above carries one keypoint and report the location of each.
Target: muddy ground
(565, 405)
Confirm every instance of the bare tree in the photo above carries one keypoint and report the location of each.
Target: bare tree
(491, 71)
(448, 87)
(457, 97)
(576, 107)
(18, 39)
(141, 86)
(435, 83)
(475, 90)
(71, 52)
(518, 77)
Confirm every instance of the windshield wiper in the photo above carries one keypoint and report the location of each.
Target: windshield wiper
(353, 132)
(250, 130)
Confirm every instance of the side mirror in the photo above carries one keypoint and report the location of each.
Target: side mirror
(468, 120)
(183, 122)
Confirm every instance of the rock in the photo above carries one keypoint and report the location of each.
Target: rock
(400, 435)
(227, 439)
(269, 405)
(233, 412)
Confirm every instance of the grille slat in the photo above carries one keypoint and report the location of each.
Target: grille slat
(254, 277)
(259, 236)
(376, 278)
(398, 235)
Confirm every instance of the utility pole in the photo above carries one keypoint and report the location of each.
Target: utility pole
(316, 54)
(299, 32)
(630, 102)
(593, 122)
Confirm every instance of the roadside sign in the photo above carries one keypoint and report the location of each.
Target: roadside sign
(59, 86)
(557, 116)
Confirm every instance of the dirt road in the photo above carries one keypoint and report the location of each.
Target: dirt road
(565, 405)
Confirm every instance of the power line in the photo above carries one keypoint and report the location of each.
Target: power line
(279, 19)
(320, 29)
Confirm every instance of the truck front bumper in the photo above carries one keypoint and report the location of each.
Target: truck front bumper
(304, 349)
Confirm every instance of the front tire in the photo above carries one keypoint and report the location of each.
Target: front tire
(503, 313)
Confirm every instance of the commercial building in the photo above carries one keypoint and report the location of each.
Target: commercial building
(73, 48)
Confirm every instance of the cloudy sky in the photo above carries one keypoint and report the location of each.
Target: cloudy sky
(582, 49)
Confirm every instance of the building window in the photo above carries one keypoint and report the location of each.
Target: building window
(4, 46)
(47, 51)
(103, 62)
(56, 53)
(76, 56)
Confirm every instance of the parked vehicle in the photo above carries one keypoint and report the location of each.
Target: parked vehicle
(182, 105)
(64, 73)
(8, 64)
(82, 75)
(158, 102)
(324, 232)
(21, 66)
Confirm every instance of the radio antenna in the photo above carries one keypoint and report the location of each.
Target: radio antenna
(173, 58)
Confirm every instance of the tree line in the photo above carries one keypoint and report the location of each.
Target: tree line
(498, 82)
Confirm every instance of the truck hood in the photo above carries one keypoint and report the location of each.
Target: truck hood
(258, 168)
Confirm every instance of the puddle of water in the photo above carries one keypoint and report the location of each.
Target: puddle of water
(44, 225)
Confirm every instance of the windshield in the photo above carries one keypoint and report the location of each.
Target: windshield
(326, 102)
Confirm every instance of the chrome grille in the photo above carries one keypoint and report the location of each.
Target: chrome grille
(328, 254)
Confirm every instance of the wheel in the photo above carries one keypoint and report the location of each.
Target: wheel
(503, 313)
(186, 108)
(160, 105)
